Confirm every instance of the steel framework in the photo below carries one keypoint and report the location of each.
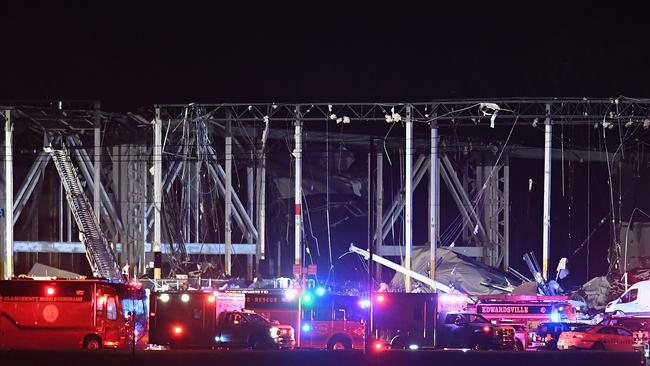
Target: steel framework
(129, 222)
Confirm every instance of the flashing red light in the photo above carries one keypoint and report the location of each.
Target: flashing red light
(486, 329)
(211, 298)
(178, 330)
(49, 290)
(380, 298)
(378, 346)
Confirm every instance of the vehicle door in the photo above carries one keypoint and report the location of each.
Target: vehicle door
(461, 333)
(608, 336)
(628, 302)
(233, 328)
(625, 340)
(113, 323)
(322, 325)
(446, 330)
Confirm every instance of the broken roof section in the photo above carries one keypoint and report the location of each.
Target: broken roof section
(460, 272)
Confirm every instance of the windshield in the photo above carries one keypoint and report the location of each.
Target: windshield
(475, 318)
(135, 306)
(583, 329)
(255, 318)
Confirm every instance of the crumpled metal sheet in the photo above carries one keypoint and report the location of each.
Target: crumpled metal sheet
(460, 272)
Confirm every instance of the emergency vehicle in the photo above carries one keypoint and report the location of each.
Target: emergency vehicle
(427, 320)
(327, 321)
(206, 319)
(597, 337)
(68, 314)
(526, 310)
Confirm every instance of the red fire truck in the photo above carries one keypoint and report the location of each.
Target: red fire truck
(68, 314)
(327, 321)
(526, 312)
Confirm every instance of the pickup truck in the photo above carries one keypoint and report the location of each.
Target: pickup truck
(246, 329)
(469, 330)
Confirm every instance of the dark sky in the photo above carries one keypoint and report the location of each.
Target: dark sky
(138, 55)
(130, 56)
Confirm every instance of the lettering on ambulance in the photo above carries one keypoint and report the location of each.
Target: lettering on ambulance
(41, 299)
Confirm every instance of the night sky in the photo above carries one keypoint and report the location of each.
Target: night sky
(135, 56)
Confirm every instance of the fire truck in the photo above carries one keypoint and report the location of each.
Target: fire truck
(62, 314)
(66, 314)
(526, 312)
(327, 321)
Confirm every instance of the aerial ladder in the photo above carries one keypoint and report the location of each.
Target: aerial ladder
(100, 255)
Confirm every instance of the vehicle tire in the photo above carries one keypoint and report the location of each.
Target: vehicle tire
(598, 346)
(258, 342)
(519, 346)
(92, 342)
(339, 344)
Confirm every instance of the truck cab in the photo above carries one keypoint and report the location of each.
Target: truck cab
(635, 301)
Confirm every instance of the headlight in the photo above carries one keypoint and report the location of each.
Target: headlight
(274, 332)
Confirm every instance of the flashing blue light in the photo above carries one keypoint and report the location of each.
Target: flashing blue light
(320, 291)
(306, 327)
(413, 346)
(306, 298)
(364, 303)
(555, 317)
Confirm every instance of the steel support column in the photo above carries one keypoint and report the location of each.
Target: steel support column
(297, 154)
(228, 197)
(157, 193)
(250, 204)
(408, 209)
(434, 200)
(8, 260)
(546, 233)
(379, 202)
(97, 163)
(261, 200)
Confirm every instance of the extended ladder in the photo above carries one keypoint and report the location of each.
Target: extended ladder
(100, 256)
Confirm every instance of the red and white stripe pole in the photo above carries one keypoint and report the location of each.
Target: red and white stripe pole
(297, 154)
